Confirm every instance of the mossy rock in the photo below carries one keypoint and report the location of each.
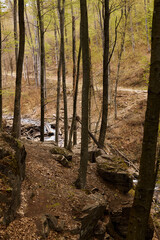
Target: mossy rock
(12, 172)
(62, 151)
(114, 170)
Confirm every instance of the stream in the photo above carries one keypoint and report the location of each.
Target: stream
(30, 129)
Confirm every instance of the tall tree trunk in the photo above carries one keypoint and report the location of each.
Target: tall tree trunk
(15, 29)
(144, 191)
(81, 181)
(120, 53)
(19, 69)
(74, 70)
(103, 128)
(37, 51)
(0, 73)
(58, 97)
(90, 91)
(75, 102)
(56, 42)
(146, 25)
(42, 57)
(61, 14)
(32, 49)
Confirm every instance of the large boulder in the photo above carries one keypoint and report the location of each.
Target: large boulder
(62, 151)
(114, 170)
(12, 173)
(90, 215)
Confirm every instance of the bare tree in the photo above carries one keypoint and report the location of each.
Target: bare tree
(42, 57)
(0, 72)
(74, 69)
(103, 128)
(61, 15)
(75, 96)
(19, 69)
(147, 174)
(81, 181)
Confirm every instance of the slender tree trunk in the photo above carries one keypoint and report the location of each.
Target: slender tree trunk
(74, 71)
(100, 21)
(120, 53)
(81, 181)
(0, 73)
(58, 97)
(146, 25)
(103, 128)
(144, 191)
(75, 101)
(19, 69)
(37, 51)
(32, 49)
(61, 14)
(15, 29)
(90, 92)
(42, 57)
(56, 42)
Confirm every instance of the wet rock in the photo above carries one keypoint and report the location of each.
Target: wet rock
(12, 173)
(115, 171)
(91, 213)
(62, 151)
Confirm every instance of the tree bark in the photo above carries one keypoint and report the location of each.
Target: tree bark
(61, 14)
(146, 25)
(19, 69)
(74, 70)
(42, 57)
(144, 191)
(58, 97)
(32, 49)
(81, 181)
(120, 53)
(0, 74)
(103, 128)
(15, 29)
(74, 102)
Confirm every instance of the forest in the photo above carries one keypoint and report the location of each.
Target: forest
(79, 119)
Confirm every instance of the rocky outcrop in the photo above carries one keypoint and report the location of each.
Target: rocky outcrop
(62, 151)
(91, 213)
(114, 170)
(62, 160)
(12, 173)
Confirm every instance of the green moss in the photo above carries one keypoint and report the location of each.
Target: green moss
(19, 143)
(12, 163)
(131, 192)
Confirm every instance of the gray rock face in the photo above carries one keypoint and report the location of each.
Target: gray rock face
(91, 213)
(115, 171)
(12, 172)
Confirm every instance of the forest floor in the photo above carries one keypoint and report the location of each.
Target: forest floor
(49, 187)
